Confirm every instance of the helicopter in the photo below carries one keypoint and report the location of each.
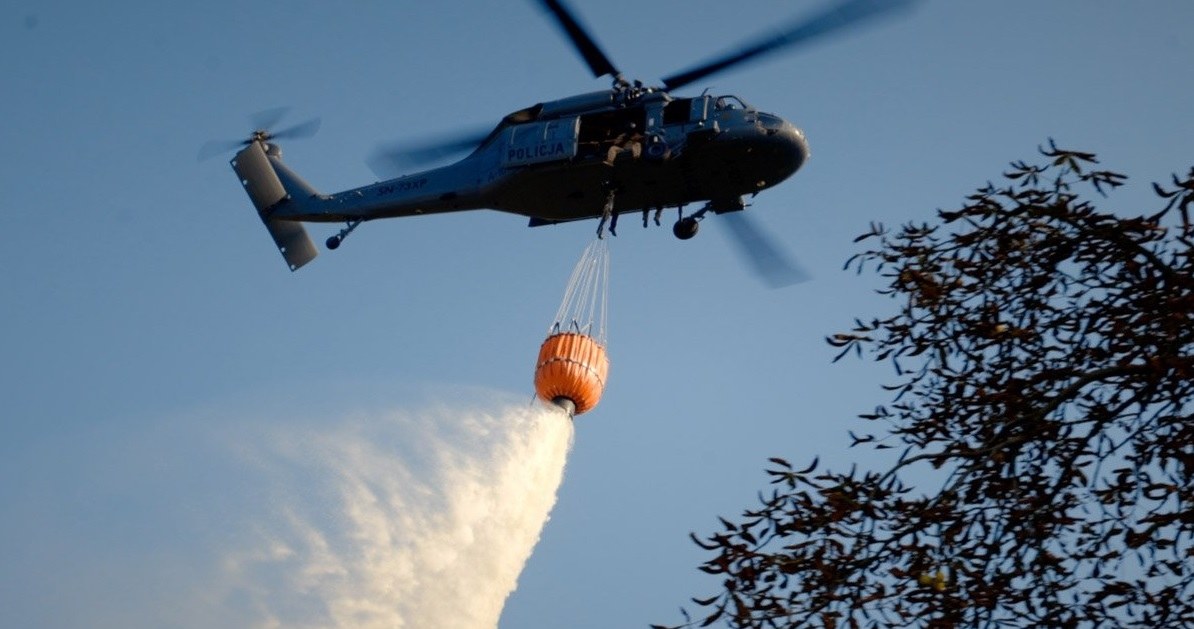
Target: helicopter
(597, 155)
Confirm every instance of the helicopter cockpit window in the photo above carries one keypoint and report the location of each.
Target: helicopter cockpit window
(678, 111)
(724, 103)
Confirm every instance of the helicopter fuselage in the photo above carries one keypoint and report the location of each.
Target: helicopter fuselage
(564, 160)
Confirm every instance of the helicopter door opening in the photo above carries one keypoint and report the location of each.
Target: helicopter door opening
(605, 133)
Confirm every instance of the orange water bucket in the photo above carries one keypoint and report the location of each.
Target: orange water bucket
(572, 368)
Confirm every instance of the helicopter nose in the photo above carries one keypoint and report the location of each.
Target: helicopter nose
(788, 140)
(799, 144)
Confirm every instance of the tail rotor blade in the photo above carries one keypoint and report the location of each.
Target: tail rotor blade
(768, 261)
(301, 130)
(838, 17)
(268, 118)
(213, 148)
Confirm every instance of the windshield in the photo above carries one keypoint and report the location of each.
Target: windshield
(726, 102)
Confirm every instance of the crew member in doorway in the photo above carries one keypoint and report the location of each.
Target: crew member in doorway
(629, 141)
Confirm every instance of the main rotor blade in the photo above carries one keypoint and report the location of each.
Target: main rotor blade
(837, 17)
(592, 53)
(766, 259)
(393, 159)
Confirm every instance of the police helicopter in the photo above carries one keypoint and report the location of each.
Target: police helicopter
(629, 148)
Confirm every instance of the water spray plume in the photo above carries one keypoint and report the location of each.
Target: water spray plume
(414, 520)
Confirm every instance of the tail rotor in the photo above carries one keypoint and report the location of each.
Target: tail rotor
(263, 122)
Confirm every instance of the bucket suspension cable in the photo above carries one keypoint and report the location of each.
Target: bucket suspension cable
(584, 308)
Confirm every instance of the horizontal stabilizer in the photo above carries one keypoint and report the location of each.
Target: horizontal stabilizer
(292, 240)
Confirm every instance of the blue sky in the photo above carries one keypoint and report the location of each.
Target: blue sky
(146, 311)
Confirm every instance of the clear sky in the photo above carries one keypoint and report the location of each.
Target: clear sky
(145, 310)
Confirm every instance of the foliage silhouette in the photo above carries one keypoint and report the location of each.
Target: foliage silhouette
(1045, 360)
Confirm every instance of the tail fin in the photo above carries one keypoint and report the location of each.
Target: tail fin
(266, 190)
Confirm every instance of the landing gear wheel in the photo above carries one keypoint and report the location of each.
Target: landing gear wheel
(686, 228)
(334, 242)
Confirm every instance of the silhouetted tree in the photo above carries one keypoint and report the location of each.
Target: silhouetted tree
(1045, 360)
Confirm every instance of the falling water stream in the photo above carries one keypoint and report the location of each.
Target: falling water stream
(403, 519)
